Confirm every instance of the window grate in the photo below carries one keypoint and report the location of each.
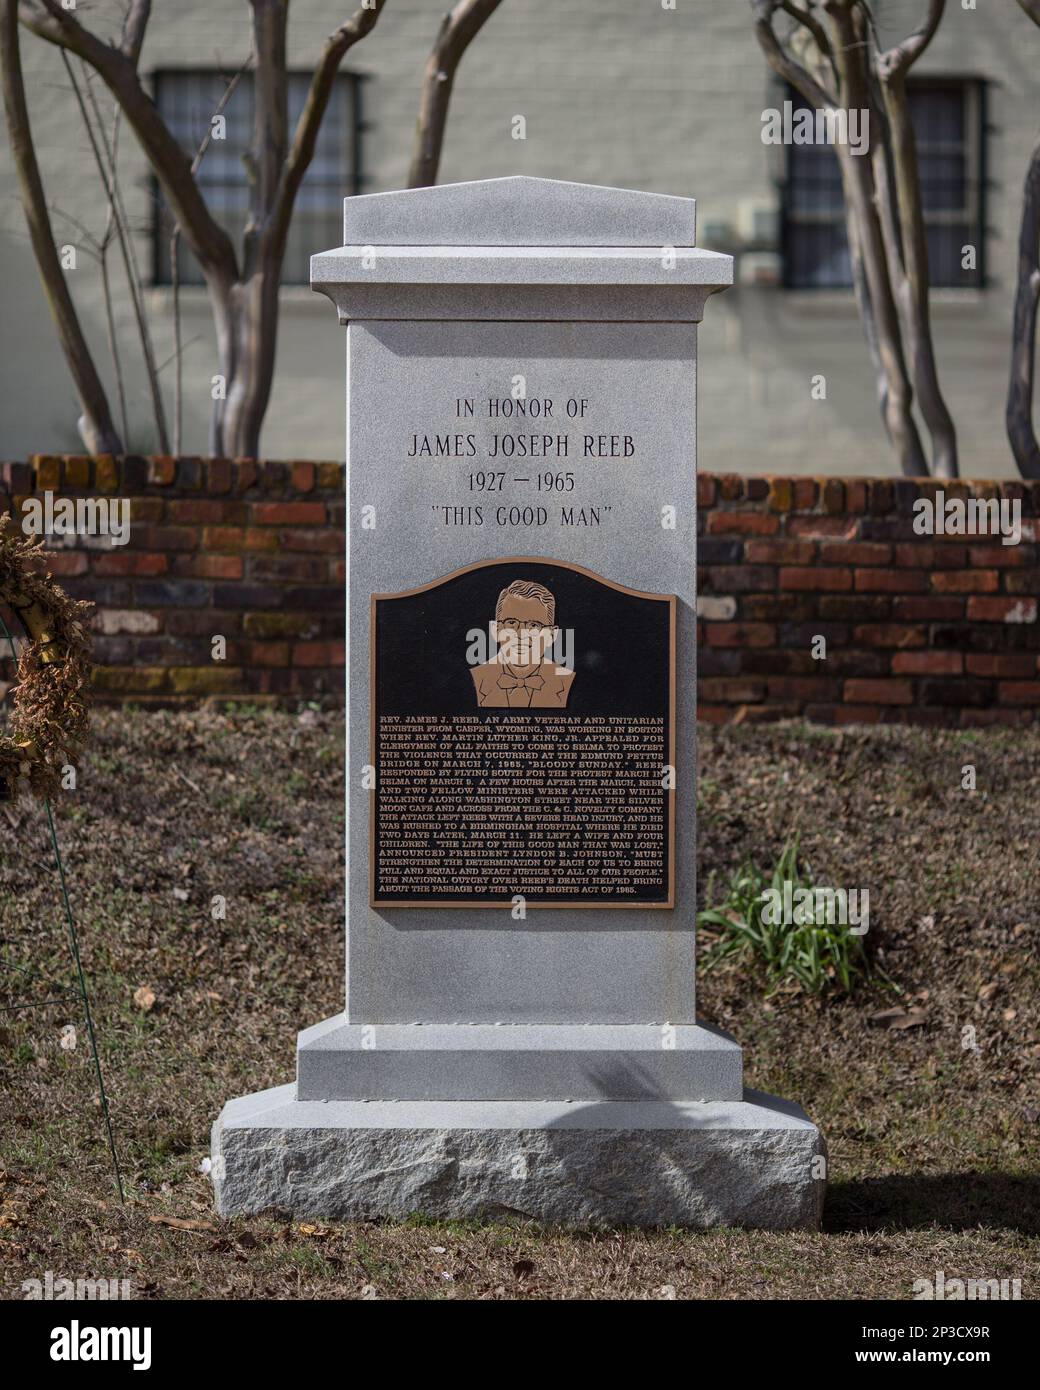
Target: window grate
(948, 124)
(187, 101)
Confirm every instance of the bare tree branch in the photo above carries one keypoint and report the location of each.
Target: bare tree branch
(781, 60)
(898, 60)
(808, 20)
(270, 108)
(104, 157)
(458, 29)
(309, 122)
(134, 25)
(896, 175)
(95, 425)
(175, 278)
(106, 291)
(207, 239)
(860, 189)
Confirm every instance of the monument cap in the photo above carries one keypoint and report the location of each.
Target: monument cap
(520, 248)
(519, 211)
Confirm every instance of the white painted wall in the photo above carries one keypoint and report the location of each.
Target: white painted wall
(618, 92)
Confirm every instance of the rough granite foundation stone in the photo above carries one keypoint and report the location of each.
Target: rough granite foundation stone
(646, 1163)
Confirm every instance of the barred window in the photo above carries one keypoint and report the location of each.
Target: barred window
(949, 127)
(187, 101)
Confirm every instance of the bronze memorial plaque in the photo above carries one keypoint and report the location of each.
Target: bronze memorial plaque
(523, 740)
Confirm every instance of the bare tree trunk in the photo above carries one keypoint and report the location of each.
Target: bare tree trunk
(896, 399)
(458, 29)
(866, 308)
(178, 369)
(838, 65)
(840, 80)
(261, 336)
(890, 240)
(252, 328)
(216, 416)
(95, 424)
(899, 210)
(860, 193)
(1019, 412)
(1019, 409)
(222, 306)
(908, 237)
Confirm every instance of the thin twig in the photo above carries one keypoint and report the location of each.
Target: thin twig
(133, 275)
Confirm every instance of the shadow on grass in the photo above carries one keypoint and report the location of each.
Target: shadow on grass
(948, 1201)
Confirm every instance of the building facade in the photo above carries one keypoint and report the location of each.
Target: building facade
(632, 93)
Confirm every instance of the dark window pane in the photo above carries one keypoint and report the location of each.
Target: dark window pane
(937, 113)
(943, 182)
(815, 180)
(819, 256)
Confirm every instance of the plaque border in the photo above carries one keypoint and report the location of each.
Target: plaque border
(631, 904)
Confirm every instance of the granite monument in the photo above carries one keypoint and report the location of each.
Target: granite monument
(520, 1032)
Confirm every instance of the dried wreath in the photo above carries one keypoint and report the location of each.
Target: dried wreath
(49, 720)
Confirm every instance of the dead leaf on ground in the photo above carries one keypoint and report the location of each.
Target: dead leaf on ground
(182, 1223)
(900, 1018)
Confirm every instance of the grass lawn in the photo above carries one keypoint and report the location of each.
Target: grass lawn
(931, 1121)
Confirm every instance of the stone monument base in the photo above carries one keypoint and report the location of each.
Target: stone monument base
(750, 1162)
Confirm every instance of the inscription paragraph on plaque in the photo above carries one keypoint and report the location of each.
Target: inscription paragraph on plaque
(544, 776)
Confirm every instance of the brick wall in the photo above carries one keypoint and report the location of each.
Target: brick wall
(919, 629)
(935, 630)
(249, 551)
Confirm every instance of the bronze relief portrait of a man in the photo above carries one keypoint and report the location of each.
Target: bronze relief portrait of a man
(522, 675)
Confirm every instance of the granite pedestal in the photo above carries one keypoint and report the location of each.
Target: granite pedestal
(521, 379)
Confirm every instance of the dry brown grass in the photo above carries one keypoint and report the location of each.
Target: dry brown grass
(933, 1146)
